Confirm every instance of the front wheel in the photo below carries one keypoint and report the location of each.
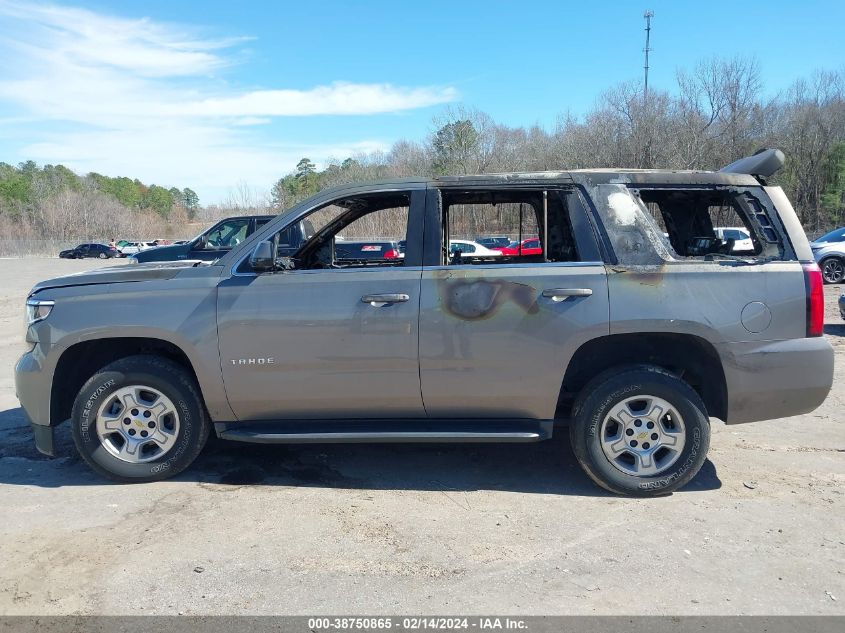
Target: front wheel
(139, 419)
(103, 256)
(641, 432)
(833, 270)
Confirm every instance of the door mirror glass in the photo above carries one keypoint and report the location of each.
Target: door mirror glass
(263, 258)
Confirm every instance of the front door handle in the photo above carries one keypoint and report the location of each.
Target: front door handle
(378, 301)
(562, 294)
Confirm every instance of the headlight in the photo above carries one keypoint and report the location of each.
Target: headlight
(38, 310)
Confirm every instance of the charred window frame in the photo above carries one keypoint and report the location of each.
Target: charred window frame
(319, 244)
(685, 212)
(559, 214)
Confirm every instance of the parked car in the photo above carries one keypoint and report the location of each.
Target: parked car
(219, 239)
(633, 346)
(367, 250)
(742, 241)
(493, 242)
(133, 248)
(474, 249)
(103, 251)
(530, 246)
(829, 252)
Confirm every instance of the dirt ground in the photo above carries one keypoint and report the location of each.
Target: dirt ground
(435, 529)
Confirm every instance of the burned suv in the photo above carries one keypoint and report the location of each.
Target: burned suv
(632, 324)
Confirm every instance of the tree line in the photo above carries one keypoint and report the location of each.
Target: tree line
(716, 112)
(53, 203)
(25, 186)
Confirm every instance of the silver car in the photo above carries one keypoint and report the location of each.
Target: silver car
(627, 340)
(829, 252)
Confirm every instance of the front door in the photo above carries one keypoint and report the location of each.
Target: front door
(325, 337)
(497, 332)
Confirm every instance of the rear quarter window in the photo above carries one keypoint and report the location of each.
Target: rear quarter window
(648, 225)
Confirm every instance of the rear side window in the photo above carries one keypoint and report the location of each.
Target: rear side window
(506, 227)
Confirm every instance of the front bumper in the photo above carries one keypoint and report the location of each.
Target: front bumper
(32, 387)
(776, 379)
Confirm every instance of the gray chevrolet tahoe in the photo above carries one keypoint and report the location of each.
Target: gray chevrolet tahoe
(632, 325)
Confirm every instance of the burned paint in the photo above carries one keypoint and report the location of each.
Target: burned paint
(478, 299)
(633, 235)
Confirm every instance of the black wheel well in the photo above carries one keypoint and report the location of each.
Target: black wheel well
(690, 358)
(81, 361)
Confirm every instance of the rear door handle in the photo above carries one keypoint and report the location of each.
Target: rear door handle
(378, 301)
(562, 294)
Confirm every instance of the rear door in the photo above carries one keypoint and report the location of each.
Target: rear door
(496, 333)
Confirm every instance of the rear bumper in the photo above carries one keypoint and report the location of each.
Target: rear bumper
(768, 380)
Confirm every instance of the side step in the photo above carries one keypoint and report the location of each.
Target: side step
(325, 431)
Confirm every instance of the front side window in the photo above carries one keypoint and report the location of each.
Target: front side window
(363, 231)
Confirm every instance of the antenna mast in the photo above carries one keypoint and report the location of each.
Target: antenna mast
(647, 15)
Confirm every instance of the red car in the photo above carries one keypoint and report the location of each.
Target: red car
(531, 246)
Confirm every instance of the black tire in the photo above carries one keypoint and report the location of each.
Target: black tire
(597, 399)
(163, 375)
(103, 256)
(833, 270)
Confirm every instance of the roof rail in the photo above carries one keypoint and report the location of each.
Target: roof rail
(762, 164)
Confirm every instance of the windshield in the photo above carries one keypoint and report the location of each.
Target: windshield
(837, 235)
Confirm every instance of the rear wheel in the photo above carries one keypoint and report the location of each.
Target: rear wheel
(833, 270)
(640, 432)
(139, 419)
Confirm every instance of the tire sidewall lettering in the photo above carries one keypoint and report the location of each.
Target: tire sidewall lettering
(85, 418)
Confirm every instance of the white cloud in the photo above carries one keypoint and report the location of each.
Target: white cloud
(338, 98)
(141, 98)
(216, 160)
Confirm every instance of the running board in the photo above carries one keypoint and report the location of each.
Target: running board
(326, 432)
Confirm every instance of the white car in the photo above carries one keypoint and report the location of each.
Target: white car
(132, 248)
(740, 235)
(473, 249)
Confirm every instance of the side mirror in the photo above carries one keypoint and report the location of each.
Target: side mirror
(202, 243)
(263, 259)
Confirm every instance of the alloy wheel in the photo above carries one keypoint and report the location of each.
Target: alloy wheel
(643, 435)
(137, 424)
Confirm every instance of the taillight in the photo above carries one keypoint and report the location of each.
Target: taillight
(815, 299)
(391, 254)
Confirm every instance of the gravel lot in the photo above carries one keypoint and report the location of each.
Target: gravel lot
(508, 529)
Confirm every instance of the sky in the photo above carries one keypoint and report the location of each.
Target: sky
(217, 95)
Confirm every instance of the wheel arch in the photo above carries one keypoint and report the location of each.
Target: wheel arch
(689, 357)
(81, 360)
